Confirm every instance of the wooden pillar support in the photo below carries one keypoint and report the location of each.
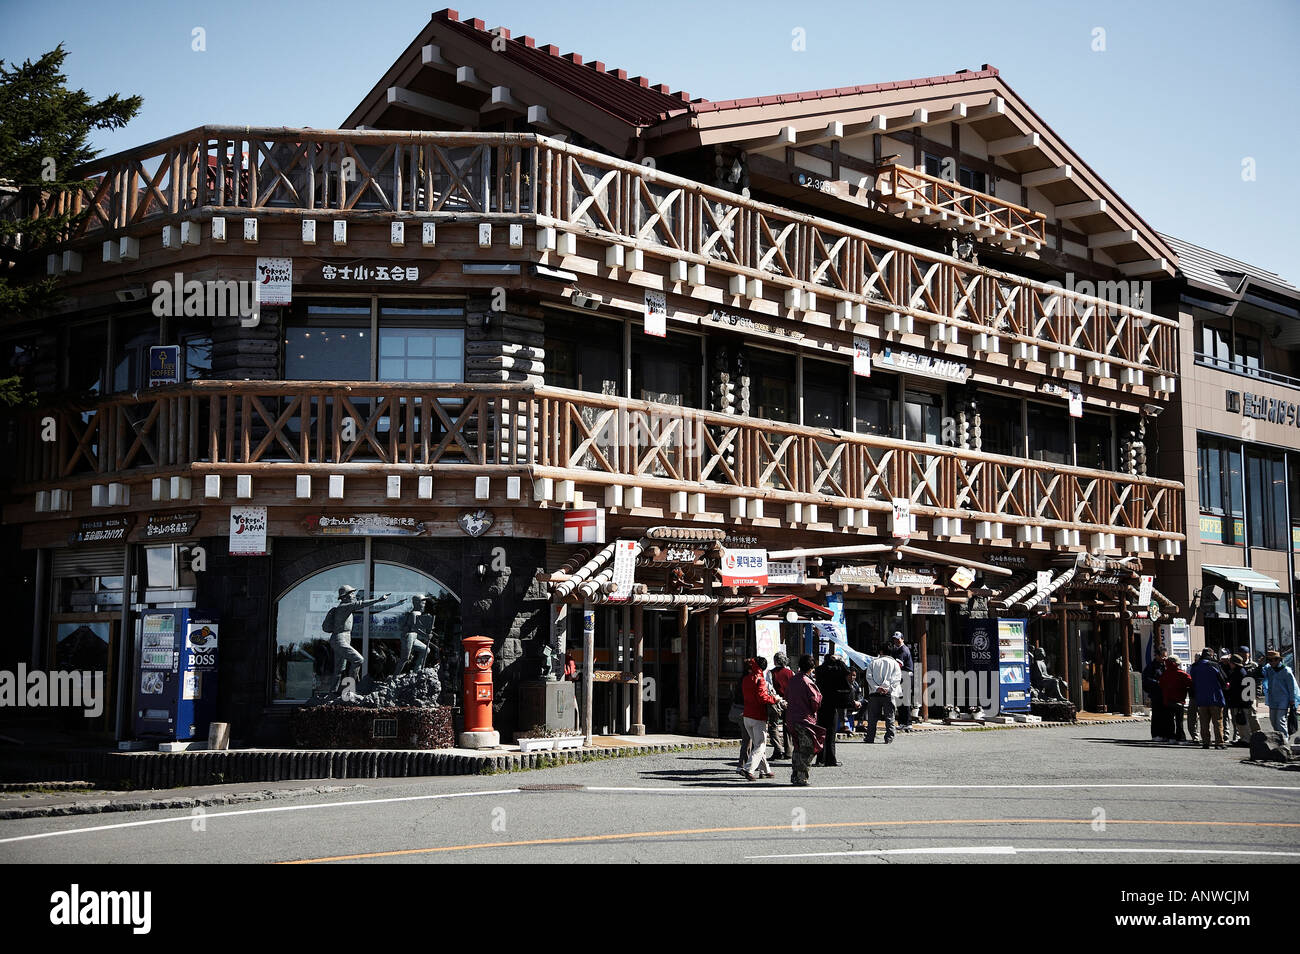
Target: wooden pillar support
(1126, 635)
(588, 666)
(638, 655)
(683, 673)
(714, 643)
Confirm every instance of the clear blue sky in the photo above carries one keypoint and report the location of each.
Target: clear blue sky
(1183, 92)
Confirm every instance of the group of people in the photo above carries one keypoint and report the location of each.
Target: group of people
(1216, 697)
(800, 713)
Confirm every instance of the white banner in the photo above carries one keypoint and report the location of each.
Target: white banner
(861, 356)
(656, 314)
(928, 604)
(624, 571)
(248, 531)
(275, 281)
(1144, 592)
(786, 571)
(902, 523)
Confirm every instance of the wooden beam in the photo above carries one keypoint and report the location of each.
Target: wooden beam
(431, 56)
(501, 98)
(1013, 144)
(466, 76)
(833, 131)
(993, 108)
(1144, 267)
(1042, 177)
(428, 106)
(919, 117)
(786, 137)
(1110, 239)
(953, 114)
(539, 117)
(1076, 210)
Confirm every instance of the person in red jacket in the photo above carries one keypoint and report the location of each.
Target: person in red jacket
(1174, 686)
(757, 698)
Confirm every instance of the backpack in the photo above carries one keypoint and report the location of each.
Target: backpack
(327, 624)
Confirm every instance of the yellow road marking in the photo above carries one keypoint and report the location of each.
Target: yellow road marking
(620, 836)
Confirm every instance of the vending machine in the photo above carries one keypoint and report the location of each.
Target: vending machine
(1013, 665)
(176, 674)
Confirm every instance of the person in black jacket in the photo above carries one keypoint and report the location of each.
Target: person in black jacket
(1243, 680)
(1161, 727)
(833, 681)
(898, 649)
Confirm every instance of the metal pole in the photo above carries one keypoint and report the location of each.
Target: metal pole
(638, 644)
(1126, 634)
(588, 665)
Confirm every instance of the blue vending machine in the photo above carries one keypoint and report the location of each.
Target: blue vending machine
(1013, 665)
(176, 684)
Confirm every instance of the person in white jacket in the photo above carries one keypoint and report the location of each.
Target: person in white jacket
(884, 689)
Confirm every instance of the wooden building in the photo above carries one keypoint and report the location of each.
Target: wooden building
(891, 331)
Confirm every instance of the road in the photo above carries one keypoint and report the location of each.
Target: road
(1079, 794)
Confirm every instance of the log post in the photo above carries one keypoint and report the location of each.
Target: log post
(638, 645)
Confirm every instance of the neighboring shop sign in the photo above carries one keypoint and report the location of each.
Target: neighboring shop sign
(911, 576)
(963, 577)
(926, 365)
(275, 281)
(175, 525)
(371, 525)
(928, 604)
(901, 524)
(624, 571)
(1013, 666)
(786, 571)
(164, 364)
(767, 639)
(861, 356)
(248, 531)
(857, 576)
(727, 319)
(1177, 639)
(1011, 561)
(1144, 589)
(584, 526)
(744, 568)
(102, 530)
(474, 522)
(656, 314)
(396, 273)
(1070, 392)
(1262, 408)
(1212, 531)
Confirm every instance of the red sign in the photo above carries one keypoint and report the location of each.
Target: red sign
(744, 568)
(584, 526)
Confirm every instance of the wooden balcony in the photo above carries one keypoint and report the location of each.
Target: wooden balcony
(917, 195)
(287, 428)
(545, 184)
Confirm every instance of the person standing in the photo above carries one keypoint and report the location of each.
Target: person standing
(417, 631)
(1280, 693)
(338, 621)
(852, 712)
(781, 674)
(903, 656)
(833, 681)
(1208, 684)
(1174, 685)
(884, 682)
(1161, 727)
(1241, 699)
(757, 699)
(803, 700)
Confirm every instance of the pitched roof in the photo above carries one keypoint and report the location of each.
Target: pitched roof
(1217, 271)
(705, 106)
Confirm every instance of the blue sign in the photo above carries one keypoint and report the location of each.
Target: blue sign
(164, 364)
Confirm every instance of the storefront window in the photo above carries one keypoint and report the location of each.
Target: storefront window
(1220, 486)
(303, 659)
(132, 338)
(328, 343)
(1266, 501)
(1270, 624)
(1093, 442)
(668, 373)
(923, 417)
(584, 355)
(421, 343)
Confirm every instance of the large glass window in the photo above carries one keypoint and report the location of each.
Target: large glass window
(132, 338)
(668, 373)
(877, 407)
(1049, 433)
(303, 659)
(1266, 501)
(1270, 624)
(584, 354)
(1220, 487)
(771, 382)
(87, 359)
(1093, 441)
(1213, 345)
(421, 343)
(825, 394)
(1001, 428)
(328, 343)
(923, 417)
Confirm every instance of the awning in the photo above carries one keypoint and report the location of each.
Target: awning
(777, 607)
(1239, 576)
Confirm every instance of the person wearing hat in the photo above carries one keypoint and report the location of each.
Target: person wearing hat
(1280, 693)
(1208, 683)
(903, 656)
(1174, 684)
(416, 627)
(1243, 677)
(338, 623)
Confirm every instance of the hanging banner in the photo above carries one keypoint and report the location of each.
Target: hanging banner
(1076, 401)
(248, 531)
(624, 571)
(902, 518)
(656, 314)
(767, 639)
(275, 281)
(1044, 580)
(744, 568)
(1144, 590)
(963, 577)
(861, 356)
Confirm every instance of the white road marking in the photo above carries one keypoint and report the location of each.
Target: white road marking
(771, 790)
(189, 816)
(1012, 850)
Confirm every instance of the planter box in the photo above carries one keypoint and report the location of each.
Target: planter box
(569, 742)
(536, 745)
(354, 727)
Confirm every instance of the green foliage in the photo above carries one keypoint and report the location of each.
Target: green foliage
(44, 131)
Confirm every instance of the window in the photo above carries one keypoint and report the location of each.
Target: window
(972, 179)
(1270, 624)
(303, 660)
(1093, 445)
(86, 361)
(1219, 484)
(825, 394)
(1049, 433)
(1001, 428)
(584, 354)
(1266, 501)
(1213, 345)
(421, 343)
(933, 165)
(771, 381)
(328, 343)
(1248, 354)
(668, 373)
(923, 417)
(132, 337)
(876, 408)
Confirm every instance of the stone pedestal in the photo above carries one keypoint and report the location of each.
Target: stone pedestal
(480, 740)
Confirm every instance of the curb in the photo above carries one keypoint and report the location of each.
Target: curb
(99, 806)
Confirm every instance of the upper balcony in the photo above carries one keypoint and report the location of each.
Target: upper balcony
(914, 194)
(687, 236)
(684, 460)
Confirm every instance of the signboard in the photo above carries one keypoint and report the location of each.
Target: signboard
(656, 314)
(584, 526)
(1177, 637)
(902, 518)
(981, 645)
(364, 525)
(928, 604)
(923, 364)
(728, 319)
(1044, 580)
(1212, 530)
(102, 530)
(174, 525)
(744, 568)
(1076, 401)
(786, 571)
(248, 531)
(1013, 666)
(397, 273)
(164, 364)
(909, 576)
(1272, 410)
(861, 356)
(767, 639)
(275, 281)
(857, 576)
(1011, 561)
(963, 577)
(1144, 589)
(624, 571)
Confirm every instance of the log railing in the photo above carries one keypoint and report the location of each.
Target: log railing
(917, 194)
(284, 427)
(554, 184)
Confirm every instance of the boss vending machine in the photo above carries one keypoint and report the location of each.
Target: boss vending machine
(176, 674)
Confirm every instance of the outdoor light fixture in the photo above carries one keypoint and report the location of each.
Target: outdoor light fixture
(587, 300)
(791, 616)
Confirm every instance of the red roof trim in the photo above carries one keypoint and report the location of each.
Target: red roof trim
(962, 76)
(774, 603)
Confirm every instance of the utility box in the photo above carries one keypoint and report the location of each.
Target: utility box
(549, 704)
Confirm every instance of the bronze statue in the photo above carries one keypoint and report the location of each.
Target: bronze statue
(417, 632)
(338, 623)
(1042, 683)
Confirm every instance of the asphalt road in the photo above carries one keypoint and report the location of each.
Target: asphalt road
(1085, 794)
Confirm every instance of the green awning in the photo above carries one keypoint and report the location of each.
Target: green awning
(1240, 577)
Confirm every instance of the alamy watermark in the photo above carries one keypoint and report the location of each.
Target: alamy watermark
(211, 299)
(37, 689)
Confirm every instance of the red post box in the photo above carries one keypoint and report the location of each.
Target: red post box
(478, 691)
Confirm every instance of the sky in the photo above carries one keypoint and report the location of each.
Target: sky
(1189, 110)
